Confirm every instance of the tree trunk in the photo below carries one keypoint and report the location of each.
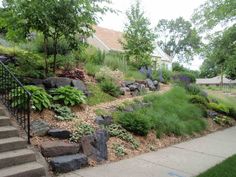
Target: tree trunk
(221, 77)
(46, 55)
(54, 54)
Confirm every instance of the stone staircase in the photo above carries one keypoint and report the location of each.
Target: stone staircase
(16, 160)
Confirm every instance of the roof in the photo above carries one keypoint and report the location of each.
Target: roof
(110, 38)
(215, 81)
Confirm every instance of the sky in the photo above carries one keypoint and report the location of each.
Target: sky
(154, 10)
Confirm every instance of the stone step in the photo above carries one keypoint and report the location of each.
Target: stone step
(4, 121)
(16, 157)
(8, 131)
(32, 169)
(2, 111)
(14, 143)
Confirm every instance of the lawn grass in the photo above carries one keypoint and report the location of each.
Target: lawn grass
(170, 113)
(224, 169)
(98, 96)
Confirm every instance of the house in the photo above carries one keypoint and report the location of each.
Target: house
(215, 81)
(109, 40)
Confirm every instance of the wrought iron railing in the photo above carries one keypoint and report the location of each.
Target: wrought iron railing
(15, 97)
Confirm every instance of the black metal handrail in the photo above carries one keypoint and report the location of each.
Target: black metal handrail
(15, 97)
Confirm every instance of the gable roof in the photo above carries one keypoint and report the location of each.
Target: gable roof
(110, 38)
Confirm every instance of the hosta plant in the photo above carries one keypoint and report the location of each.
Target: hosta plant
(68, 96)
(40, 98)
(63, 113)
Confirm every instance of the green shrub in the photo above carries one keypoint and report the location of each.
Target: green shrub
(197, 99)
(92, 69)
(118, 131)
(193, 89)
(110, 87)
(171, 113)
(82, 130)
(67, 62)
(134, 122)
(97, 95)
(63, 113)
(232, 112)
(184, 77)
(220, 108)
(115, 61)
(132, 74)
(93, 55)
(68, 95)
(40, 98)
(106, 73)
(166, 75)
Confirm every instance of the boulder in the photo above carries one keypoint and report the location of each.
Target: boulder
(68, 163)
(128, 83)
(58, 148)
(39, 128)
(59, 133)
(150, 84)
(212, 114)
(141, 88)
(55, 82)
(104, 120)
(135, 93)
(95, 146)
(78, 84)
(133, 87)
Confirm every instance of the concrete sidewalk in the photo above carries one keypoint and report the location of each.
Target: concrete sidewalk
(187, 159)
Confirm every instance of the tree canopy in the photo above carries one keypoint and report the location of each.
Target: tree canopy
(178, 38)
(214, 12)
(139, 38)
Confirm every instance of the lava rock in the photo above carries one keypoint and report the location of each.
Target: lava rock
(141, 87)
(135, 93)
(150, 84)
(212, 114)
(104, 120)
(95, 146)
(59, 133)
(39, 128)
(55, 82)
(58, 148)
(68, 163)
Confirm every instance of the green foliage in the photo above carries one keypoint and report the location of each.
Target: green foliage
(170, 113)
(63, 113)
(40, 98)
(119, 150)
(133, 74)
(67, 62)
(27, 63)
(166, 75)
(209, 69)
(222, 120)
(197, 99)
(134, 122)
(107, 73)
(116, 61)
(93, 55)
(110, 87)
(68, 95)
(178, 38)
(92, 69)
(232, 112)
(139, 38)
(226, 169)
(221, 108)
(214, 12)
(97, 95)
(82, 129)
(118, 131)
(194, 89)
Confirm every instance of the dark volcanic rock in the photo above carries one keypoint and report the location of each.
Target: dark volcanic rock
(128, 83)
(150, 84)
(39, 127)
(95, 146)
(59, 133)
(133, 87)
(58, 148)
(68, 163)
(55, 82)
